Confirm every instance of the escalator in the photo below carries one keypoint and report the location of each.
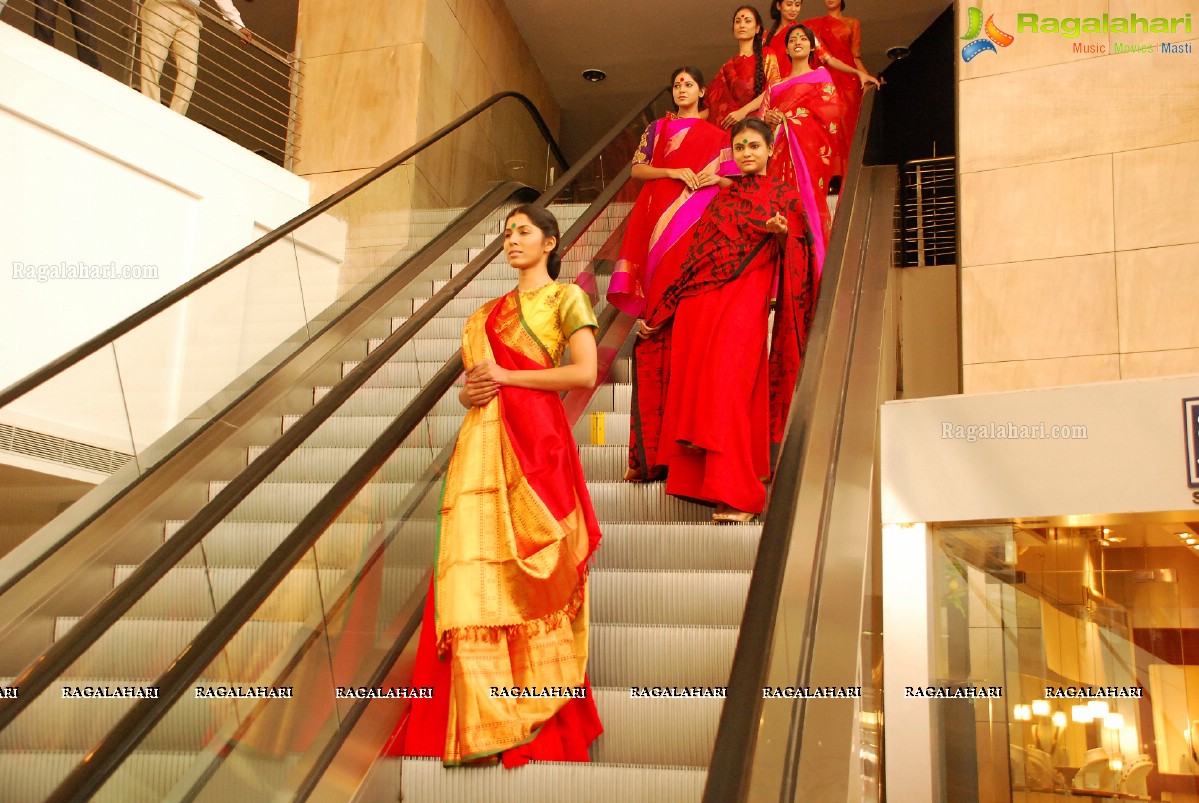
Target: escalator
(279, 538)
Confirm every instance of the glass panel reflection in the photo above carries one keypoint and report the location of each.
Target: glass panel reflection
(1092, 634)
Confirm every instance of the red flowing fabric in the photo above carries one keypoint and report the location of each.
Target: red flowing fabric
(841, 38)
(664, 209)
(727, 395)
(813, 111)
(733, 86)
(714, 436)
(566, 737)
(542, 439)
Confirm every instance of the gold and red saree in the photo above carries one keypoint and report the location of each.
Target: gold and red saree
(504, 643)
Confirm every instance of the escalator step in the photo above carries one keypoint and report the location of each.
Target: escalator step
(426, 781)
(671, 732)
(361, 429)
(30, 777)
(613, 502)
(144, 648)
(634, 596)
(617, 596)
(651, 546)
(660, 655)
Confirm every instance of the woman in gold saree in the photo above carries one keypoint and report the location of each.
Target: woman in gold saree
(504, 637)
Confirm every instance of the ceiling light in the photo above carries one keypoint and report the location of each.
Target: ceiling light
(594, 76)
(898, 53)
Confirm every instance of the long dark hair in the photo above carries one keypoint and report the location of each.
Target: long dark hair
(755, 124)
(759, 68)
(694, 73)
(776, 14)
(811, 41)
(544, 220)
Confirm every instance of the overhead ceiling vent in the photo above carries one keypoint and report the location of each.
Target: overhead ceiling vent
(60, 450)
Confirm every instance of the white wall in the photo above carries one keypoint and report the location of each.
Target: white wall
(92, 172)
(1130, 456)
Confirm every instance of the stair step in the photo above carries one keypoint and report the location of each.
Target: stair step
(612, 501)
(426, 781)
(660, 655)
(249, 543)
(30, 776)
(650, 546)
(143, 648)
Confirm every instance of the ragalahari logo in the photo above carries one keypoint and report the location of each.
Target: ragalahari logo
(978, 45)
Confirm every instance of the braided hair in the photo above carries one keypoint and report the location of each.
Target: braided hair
(776, 14)
(759, 64)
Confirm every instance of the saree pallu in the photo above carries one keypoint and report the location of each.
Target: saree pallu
(842, 38)
(733, 86)
(509, 591)
(666, 211)
(656, 239)
(728, 395)
(806, 142)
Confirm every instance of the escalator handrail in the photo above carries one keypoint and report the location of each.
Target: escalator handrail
(733, 750)
(124, 737)
(60, 655)
(91, 346)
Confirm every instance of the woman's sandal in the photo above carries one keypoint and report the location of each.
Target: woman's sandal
(729, 514)
(633, 475)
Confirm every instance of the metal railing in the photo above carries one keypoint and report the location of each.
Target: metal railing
(928, 212)
(244, 89)
(806, 622)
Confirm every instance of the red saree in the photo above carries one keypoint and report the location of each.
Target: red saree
(842, 38)
(805, 144)
(733, 86)
(727, 394)
(656, 239)
(508, 605)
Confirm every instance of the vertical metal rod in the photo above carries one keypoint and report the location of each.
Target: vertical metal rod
(920, 246)
(292, 138)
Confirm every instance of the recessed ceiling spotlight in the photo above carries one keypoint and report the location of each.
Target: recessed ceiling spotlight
(594, 76)
(898, 53)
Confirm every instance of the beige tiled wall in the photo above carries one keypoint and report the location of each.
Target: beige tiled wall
(1080, 248)
(381, 74)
